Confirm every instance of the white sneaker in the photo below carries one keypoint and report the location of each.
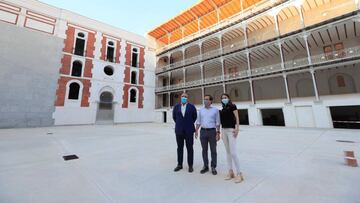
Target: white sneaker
(239, 178)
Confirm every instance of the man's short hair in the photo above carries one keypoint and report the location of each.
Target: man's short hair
(210, 97)
(184, 93)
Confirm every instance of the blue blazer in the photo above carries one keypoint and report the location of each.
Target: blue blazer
(185, 124)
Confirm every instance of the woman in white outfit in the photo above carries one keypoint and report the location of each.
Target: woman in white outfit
(230, 130)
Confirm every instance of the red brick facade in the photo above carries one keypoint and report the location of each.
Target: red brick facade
(127, 75)
(88, 66)
(103, 48)
(66, 67)
(66, 64)
(69, 41)
(61, 91)
(126, 96)
(90, 46)
(118, 54)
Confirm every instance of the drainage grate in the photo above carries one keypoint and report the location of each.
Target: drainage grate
(70, 157)
(346, 141)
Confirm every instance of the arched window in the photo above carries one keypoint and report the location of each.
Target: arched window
(134, 57)
(110, 51)
(80, 44)
(74, 90)
(76, 69)
(133, 96)
(133, 77)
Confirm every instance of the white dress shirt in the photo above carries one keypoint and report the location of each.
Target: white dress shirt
(183, 109)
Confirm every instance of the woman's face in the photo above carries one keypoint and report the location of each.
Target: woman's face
(224, 97)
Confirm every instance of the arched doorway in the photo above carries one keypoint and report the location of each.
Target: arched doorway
(105, 113)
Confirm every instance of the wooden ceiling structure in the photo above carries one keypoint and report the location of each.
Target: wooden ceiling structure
(202, 15)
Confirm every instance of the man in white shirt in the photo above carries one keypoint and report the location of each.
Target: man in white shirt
(209, 121)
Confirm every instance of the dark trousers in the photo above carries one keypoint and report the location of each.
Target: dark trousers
(189, 140)
(208, 137)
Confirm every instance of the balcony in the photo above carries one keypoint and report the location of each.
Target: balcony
(233, 47)
(211, 54)
(347, 53)
(266, 69)
(237, 75)
(336, 55)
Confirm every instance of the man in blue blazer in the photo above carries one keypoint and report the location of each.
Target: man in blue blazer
(184, 115)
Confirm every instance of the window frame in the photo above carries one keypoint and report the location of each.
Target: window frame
(85, 38)
(73, 102)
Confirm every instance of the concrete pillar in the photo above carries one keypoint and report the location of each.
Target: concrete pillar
(252, 92)
(287, 88)
(254, 116)
(307, 48)
(290, 115)
(312, 72)
(322, 116)
(281, 56)
(245, 33)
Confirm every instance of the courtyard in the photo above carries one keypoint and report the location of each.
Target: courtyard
(134, 163)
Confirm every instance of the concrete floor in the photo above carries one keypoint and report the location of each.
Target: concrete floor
(134, 163)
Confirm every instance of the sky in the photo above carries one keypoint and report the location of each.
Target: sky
(138, 16)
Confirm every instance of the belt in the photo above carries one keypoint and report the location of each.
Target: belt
(208, 129)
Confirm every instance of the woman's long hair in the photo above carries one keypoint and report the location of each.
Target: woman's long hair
(230, 104)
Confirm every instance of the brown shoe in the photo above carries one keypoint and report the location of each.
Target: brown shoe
(239, 178)
(229, 176)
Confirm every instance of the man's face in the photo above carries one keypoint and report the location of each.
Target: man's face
(207, 100)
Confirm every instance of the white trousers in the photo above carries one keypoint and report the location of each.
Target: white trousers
(230, 146)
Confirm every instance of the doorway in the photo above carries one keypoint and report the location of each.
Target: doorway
(243, 116)
(345, 116)
(105, 114)
(273, 117)
(164, 117)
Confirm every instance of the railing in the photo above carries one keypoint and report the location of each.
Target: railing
(194, 83)
(301, 62)
(211, 54)
(233, 47)
(179, 64)
(237, 75)
(346, 53)
(296, 63)
(266, 69)
(218, 78)
(192, 60)
(176, 64)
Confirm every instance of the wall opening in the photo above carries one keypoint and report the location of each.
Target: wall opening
(80, 44)
(243, 116)
(105, 110)
(110, 52)
(345, 116)
(76, 69)
(74, 90)
(134, 58)
(164, 117)
(133, 77)
(272, 117)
